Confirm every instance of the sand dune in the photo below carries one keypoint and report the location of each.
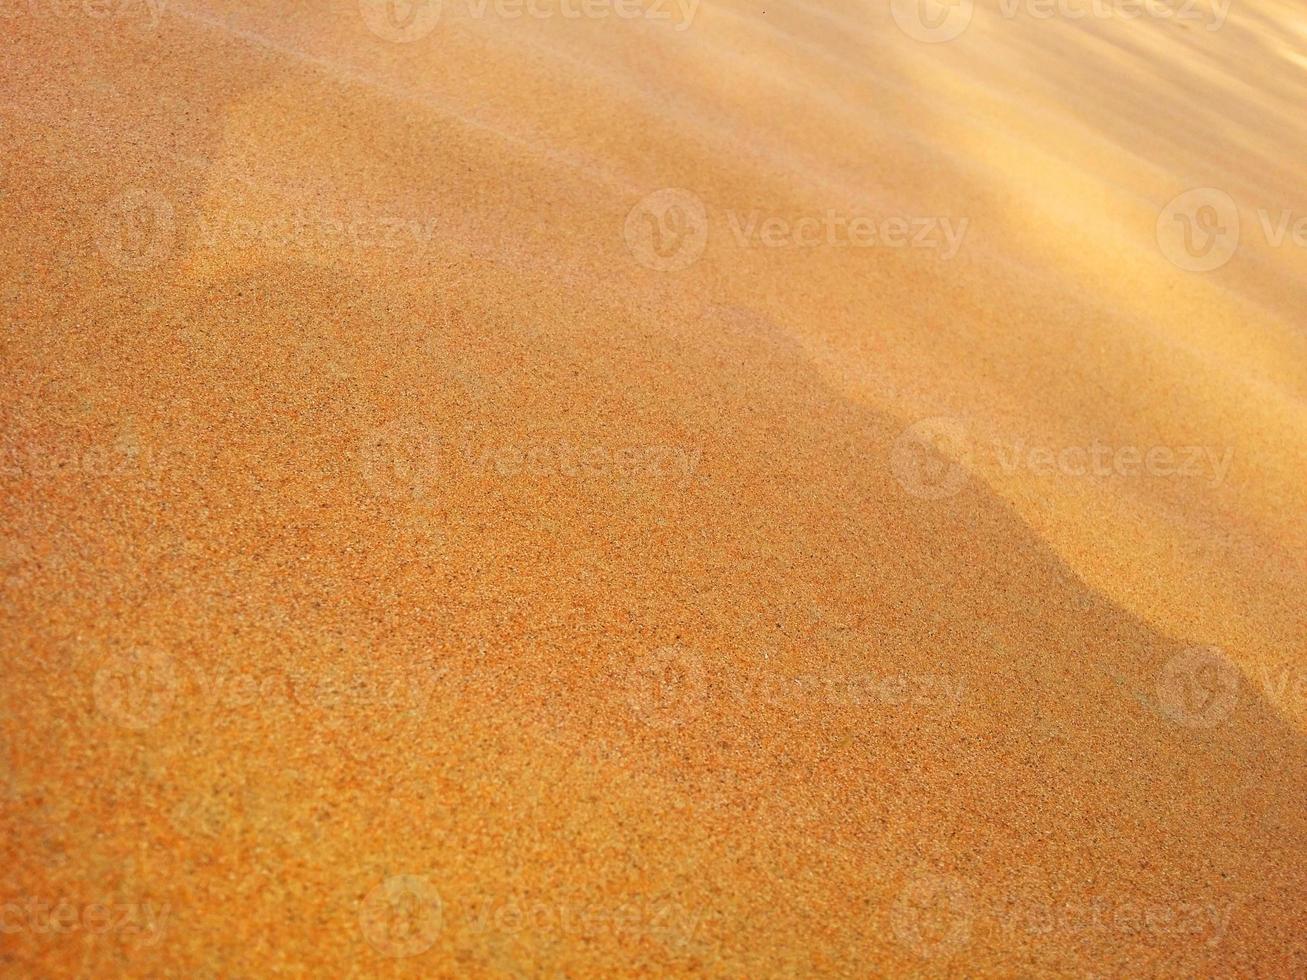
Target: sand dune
(758, 491)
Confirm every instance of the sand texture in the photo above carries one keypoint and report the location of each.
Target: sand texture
(743, 490)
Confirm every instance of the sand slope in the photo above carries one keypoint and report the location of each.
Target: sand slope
(402, 577)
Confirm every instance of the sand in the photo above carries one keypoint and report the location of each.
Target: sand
(766, 490)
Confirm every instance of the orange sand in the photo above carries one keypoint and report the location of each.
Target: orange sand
(422, 557)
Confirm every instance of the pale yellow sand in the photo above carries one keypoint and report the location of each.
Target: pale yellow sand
(412, 565)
